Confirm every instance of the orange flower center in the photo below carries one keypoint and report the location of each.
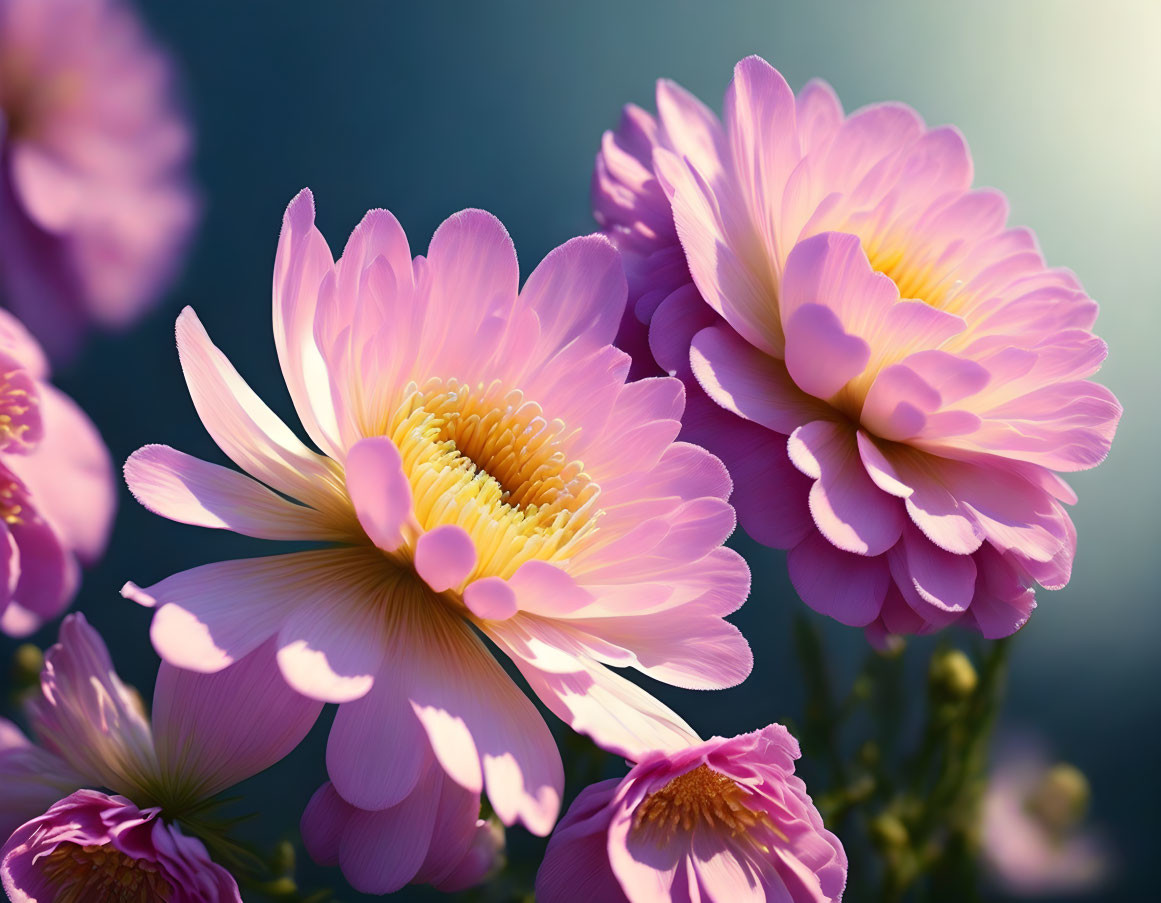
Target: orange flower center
(700, 797)
(91, 873)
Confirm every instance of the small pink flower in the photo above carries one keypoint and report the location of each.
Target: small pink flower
(207, 733)
(892, 375)
(57, 496)
(486, 470)
(433, 836)
(722, 820)
(1034, 841)
(91, 846)
(95, 204)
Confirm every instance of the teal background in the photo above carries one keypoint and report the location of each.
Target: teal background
(426, 108)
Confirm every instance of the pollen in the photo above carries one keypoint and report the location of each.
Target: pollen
(18, 410)
(701, 797)
(96, 872)
(487, 459)
(11, 504)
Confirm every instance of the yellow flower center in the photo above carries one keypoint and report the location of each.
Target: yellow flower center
(17, 398)
(701, 797)
(11, 504)
(487, 459)
(91, 873)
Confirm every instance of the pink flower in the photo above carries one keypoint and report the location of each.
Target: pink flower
(433, 836)
(57, 496)
(90, 846)
(1034, 841)
(722, 820)
(208, 732)
(95, 204)
(892, 375)
(486, 468)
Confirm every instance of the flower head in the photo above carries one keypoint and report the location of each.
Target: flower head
(893, 376)
(207, 733)
(487, 471)
(1035, 842)
(90, 846)
(94, 200)
(57, 495)
(722, 820)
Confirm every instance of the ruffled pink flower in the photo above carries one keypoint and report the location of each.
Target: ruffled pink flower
(724, 820)
(91, 846)
(892, 375)
(57, 496)
(95, 204)
(207, 733)
(1034, 841)
(486, 470)
(433, 836)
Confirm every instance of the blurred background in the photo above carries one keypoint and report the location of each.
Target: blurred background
(426, 108)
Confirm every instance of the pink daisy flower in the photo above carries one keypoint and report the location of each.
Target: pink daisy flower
(57, 496)
(486, 471)
(91, 846)
(208, 732)
(720, 820)
(893, 376)
(95, 203)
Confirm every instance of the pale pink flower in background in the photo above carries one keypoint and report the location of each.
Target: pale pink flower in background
(57, 491)
(1034, 840)
(95, 847)
(486, 468)
(95, 200)
(892, 375)
(723, 820)
(208, 732)
(433, 836)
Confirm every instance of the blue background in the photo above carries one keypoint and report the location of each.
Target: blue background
(426, 108)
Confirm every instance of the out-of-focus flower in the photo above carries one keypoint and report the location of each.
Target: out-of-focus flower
(90, 846)
(208, 733)
(892, 375)
(434, 836)
(95, 204)
(722, 820)
(57, 495)
(1034, 840)
(486, 468)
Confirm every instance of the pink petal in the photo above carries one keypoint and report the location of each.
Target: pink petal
(547, 590)
(820, 356)
(331, 648)
(377, 750)
(242, 425)
(215, 730)
(491, 598)
(211, 616)
(849, 509)
(186, 489)
(301, 263)
(445, 557)
(31, 779)
(381, 851)
(831, 269)
(678, 318)
(482, 726)
(849, 588)
(322, 824)
(379, 490)
(47, 572)
(578, 292)
(691, 128)
(576, 864)
(749, 383)
(620, 716)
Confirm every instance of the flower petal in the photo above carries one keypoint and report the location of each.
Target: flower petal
(849, 588)
(379, 490)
